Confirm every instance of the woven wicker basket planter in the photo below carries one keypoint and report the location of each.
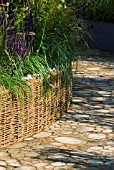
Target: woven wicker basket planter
(18, 122)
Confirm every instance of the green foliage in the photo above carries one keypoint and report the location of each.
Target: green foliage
(101, 10)
(15, 85)
(45, 35)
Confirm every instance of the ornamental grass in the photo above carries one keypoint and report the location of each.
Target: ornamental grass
(35, 38)
(38, 40)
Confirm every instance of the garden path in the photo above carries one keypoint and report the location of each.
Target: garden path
(81, 140)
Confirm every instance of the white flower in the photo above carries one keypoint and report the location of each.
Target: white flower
(39, 74)
(54, 69)
(25, 78)
(29, 77)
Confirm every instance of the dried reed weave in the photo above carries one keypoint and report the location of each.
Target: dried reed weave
(18, 122)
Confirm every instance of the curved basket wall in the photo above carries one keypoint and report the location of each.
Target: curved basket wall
(18, 122)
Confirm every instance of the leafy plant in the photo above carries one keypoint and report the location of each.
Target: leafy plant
(35, 37)
(101, 10)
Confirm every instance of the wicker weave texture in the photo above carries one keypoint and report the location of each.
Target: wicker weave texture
(19, 121)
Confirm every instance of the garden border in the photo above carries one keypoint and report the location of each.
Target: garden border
(18, 122)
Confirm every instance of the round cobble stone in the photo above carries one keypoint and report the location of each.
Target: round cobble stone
(2, 168)
(68, 140)
(84, 129)
(58, 164)
(3, 154)
(49, 167)
(97, 136)
(40, 164)
(25, 168)
(18, 145)
(2, 163)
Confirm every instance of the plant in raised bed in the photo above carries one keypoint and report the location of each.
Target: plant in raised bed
(38, 41)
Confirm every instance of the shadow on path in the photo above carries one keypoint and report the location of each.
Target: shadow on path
(76, 159)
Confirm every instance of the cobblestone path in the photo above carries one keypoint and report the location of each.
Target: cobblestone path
(81, 140)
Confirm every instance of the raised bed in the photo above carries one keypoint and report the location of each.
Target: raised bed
(19, 121)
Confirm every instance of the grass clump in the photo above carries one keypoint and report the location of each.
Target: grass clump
(35, 38)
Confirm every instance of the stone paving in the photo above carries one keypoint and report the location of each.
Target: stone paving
(81, 140)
